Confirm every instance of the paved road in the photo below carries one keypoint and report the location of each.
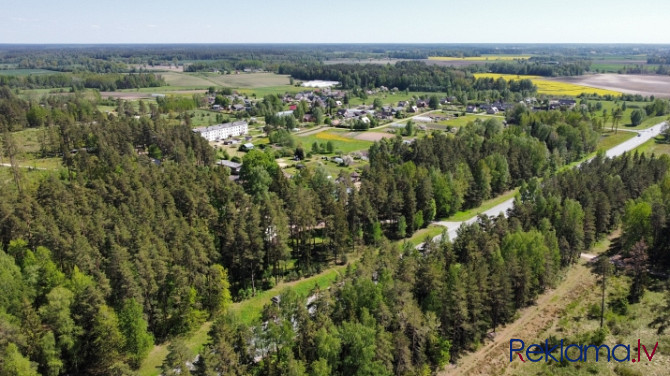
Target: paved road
(644, 135)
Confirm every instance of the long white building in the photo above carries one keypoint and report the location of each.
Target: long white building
(223, 131)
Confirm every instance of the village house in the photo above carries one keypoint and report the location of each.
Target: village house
(233, 166)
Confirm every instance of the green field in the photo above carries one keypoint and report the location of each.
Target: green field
(615, 68)
(340, 139)
(625, 121)
(25, 72)
(239, 81)
(462, 121)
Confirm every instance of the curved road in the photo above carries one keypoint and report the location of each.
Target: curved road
(644, 135)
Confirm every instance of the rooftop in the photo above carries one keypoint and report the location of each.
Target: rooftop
(219, 126)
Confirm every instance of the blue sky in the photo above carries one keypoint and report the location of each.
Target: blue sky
(333, 21)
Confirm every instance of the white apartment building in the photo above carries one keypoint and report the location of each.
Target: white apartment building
(223, 131)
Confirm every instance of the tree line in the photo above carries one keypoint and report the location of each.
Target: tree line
(78, 81)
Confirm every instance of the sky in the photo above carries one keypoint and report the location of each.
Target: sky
(334, 21)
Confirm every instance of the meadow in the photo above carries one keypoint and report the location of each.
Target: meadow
(548, 87)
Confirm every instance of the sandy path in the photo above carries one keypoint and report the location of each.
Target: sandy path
(493, 357)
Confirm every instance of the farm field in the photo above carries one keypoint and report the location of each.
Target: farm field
(242, 80)
(25, 72)
(481, 58)
(646, 85)
(552, 86)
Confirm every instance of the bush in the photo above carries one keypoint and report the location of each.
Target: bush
(622, 370)
(619, 305)
(593, 311)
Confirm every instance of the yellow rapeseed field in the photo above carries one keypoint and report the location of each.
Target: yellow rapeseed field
(331, 137)
(479, 58)
(551, 87)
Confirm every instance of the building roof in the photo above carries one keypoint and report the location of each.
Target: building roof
(219, 126)
(230, 164)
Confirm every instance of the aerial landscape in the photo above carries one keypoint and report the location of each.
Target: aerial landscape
(350, 189)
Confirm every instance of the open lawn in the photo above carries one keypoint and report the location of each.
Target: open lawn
(548, 87)
(337, 137)
(625, 121)
(609, 139)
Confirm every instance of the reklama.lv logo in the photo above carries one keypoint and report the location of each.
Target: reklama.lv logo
(575, 352)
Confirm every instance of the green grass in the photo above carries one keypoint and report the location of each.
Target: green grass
(431, 231)
(242, 80)
(650, 122)
(625, 121)
(610, 139)
(654, 146)
(462, 121)
(389, 98)
(615, 68)
(345, 146)
(249, 310)
(195, 342)
(486, 205)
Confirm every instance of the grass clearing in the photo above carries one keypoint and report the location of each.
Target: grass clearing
(248, 311)
(549, 87)
(462, 121)
(340, 142)
(392, 98)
